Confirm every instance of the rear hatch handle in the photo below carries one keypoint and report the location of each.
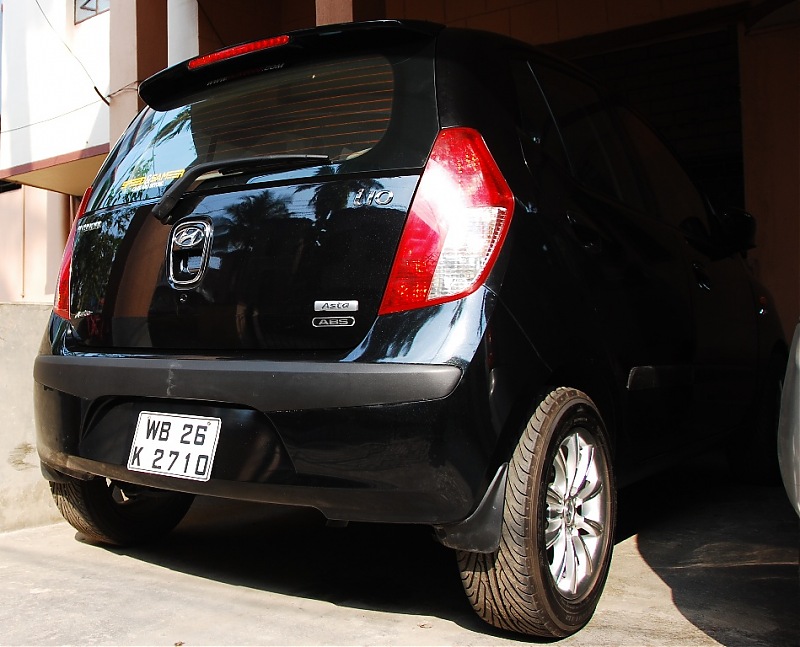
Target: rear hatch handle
(194, 175)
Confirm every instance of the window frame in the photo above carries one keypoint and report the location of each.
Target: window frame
(84, 6)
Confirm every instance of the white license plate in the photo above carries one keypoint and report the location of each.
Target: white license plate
(174, 445)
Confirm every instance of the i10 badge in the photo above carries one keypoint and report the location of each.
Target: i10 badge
(368, 198)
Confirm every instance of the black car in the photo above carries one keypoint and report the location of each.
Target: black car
(399, 273)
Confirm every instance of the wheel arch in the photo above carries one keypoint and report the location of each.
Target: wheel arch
(588, 375)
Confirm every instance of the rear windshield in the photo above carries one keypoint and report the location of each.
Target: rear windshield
(341, 108)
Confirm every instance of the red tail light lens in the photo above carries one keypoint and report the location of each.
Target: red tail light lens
(61, 305)
(455, 228)
(237, 50)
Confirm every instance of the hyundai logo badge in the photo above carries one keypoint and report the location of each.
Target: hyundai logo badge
(188, 251)
(190, 236)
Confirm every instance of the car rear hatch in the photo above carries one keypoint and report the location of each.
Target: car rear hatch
(257, 202)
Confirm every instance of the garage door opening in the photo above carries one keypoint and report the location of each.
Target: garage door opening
(689, 89)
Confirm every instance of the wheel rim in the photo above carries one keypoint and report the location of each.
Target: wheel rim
(577, 503)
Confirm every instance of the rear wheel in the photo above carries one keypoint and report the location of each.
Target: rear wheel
(111, 513)
(558, 524)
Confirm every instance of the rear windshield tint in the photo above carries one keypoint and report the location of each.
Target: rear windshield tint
(340, 108)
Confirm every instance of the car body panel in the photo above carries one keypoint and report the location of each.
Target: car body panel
(276, 251)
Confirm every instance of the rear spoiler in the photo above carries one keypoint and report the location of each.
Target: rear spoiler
(170, 87)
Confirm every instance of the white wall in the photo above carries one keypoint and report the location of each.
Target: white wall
(46, 228)
(11, 245)
(34, 223)
(49, 107)
(182, 30)
(24, 495)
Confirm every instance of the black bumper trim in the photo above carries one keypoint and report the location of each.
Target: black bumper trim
(261, 384)
(344, 504)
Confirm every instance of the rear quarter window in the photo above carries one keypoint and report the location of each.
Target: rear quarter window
(595, 148)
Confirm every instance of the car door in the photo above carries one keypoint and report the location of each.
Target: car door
(628, 263)
(724, 309)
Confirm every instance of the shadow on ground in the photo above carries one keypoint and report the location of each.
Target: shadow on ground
(728, 551)
(729, 554)
(291, 551)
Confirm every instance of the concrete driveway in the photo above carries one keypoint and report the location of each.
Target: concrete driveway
(700, 560)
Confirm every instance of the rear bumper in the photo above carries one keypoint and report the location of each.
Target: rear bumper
(358, 441)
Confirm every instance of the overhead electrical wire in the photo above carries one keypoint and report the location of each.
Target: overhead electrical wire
(44, 121)
(64, 43)
(103, 98)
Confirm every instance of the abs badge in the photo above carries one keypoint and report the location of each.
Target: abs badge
(334, 320)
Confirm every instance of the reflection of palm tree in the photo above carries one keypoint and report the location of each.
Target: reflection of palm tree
(92, 268)
(127, 163)
(427, 325)
(332, 196)
(401, 345)
(248, 219)
(173, 127)
(92, 278)
(263, 244)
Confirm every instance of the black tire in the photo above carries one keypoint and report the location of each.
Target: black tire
(106, 513)
(516, 588)
(753, 449)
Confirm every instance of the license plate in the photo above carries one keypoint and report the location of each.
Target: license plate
(174, 445)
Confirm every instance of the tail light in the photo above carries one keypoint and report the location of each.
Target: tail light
(456, 225)
(62, 300)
